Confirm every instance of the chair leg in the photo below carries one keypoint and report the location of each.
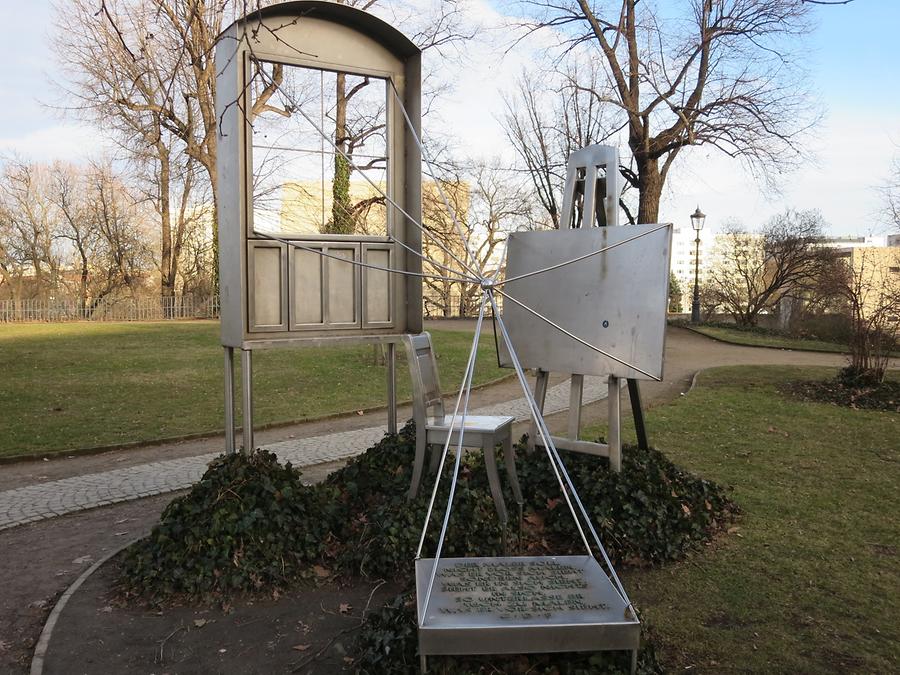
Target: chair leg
(509, 457)
(436, 452)
(490, 462)
(418, 464)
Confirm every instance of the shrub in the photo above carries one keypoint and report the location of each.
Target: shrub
(851, 388)
(249, 524)
(379, 527)
(650, 512)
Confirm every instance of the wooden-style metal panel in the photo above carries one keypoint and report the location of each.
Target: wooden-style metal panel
(342, 287)
(306, 274)
(267, 281)
(378, 287)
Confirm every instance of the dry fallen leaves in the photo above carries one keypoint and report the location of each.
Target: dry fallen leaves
(534, 519)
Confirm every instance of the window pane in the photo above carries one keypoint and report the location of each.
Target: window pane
(300, 185)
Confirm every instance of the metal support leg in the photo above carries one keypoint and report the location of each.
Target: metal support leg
(418, 461)
(615, 417)
(509, 458)
(435, 460)
(540, 395)
(391, 362)
(490, 463)
(229, 400)
(247, 391)
(634, 393)
(634, 661)
(576, 391)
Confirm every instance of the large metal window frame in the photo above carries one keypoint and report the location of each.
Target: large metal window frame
(393, 144)
(335, 38)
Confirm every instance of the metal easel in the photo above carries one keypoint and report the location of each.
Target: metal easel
(599, 206)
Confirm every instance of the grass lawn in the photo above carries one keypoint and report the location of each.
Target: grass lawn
(745, 337)
(810, 580)
(78, 385)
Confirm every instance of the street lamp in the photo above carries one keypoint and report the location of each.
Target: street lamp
(697, 220)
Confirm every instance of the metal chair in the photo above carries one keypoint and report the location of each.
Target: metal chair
(433, 426)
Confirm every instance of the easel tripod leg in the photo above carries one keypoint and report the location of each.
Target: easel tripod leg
(637, 411)
(391, 367)
(540, 396)
(615, 419)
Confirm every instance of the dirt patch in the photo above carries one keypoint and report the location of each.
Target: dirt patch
(884, 550)
(309, 630)
(39, 562)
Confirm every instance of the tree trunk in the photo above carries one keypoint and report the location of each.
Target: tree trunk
(167, 279)
(83, 284)
(341, 217)
(650, 186)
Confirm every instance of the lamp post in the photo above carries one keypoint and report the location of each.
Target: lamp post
(697, 220)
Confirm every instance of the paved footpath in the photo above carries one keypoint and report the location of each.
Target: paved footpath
(67, 495)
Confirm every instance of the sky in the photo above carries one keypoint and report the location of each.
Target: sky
(852, 57)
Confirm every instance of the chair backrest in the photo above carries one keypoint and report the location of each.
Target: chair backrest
(423, 371)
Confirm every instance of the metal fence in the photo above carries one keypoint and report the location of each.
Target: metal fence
(122, 309)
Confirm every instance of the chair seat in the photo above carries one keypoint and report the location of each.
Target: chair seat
(474, 423)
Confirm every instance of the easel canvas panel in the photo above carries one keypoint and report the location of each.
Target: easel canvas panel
(615, 300)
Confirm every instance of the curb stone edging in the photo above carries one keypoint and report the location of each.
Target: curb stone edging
(43, 643)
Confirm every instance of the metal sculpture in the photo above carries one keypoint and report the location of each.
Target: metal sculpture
(277, 291)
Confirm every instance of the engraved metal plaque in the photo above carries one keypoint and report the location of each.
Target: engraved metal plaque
(518, 605)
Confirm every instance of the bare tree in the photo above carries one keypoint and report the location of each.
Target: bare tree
(70, 230)
(77, 225)
(146, 68)
(123, 256)
(31, 259)
(488, 204)
(718, 74)
(867, 283)
(546, 121)
(754, 272)
(103, 227)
